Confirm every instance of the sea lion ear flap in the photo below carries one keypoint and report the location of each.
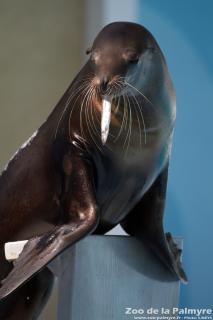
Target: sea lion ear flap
(89, 50)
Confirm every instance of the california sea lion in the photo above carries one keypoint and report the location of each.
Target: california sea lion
(100, 159)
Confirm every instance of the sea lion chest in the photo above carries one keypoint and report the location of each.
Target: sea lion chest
(123, 174)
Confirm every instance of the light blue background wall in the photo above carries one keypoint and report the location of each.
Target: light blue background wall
(184, 31)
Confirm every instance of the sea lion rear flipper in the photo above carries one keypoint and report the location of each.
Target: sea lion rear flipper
(80, 207)
(145, 221)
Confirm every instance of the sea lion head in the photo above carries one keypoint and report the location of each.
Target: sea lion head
(117, 56)
(117, 52)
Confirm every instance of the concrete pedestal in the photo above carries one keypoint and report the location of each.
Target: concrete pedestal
(112, 278)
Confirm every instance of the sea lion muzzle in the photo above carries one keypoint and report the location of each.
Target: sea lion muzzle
(104, 85)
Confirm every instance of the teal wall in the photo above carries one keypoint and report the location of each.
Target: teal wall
(184, 32)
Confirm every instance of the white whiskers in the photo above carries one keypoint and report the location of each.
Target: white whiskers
(127, 108)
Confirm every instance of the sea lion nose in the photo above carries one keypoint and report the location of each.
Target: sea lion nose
(104, 85)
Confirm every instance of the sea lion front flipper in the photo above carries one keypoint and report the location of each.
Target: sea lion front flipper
(80, 207)
(29, 300)
(145, 221)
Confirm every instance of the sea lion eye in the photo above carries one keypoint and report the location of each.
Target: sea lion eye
(131, 56)
(95, 55)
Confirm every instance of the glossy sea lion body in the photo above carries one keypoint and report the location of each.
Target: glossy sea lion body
(71, 180)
